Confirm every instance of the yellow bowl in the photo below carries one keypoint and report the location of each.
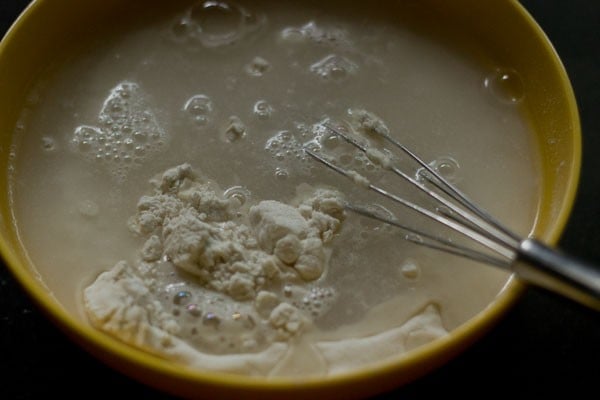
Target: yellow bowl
(502, 27)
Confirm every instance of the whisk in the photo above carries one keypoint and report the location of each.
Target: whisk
(496, 245)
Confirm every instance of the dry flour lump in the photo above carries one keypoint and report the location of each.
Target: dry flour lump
(213, 274)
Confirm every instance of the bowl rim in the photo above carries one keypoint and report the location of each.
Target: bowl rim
(441, 349)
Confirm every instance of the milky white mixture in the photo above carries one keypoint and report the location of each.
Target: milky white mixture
(161, 190)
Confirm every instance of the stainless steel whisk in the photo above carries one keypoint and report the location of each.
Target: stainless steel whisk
(528, 258)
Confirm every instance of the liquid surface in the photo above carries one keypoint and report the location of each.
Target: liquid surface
(235, 90)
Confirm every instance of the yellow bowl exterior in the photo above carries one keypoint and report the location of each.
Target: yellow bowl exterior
(502, 26)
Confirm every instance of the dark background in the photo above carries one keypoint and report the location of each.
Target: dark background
(543, 348)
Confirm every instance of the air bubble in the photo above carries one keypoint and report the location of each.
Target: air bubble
(199, 104)
(283, 145)
(410, 269)
(292, 35)
(235, 130)
(87, 133)
(124, 119)
(447, 167)
(505, 85)
(313, 145)
(124, 92)
(216, 23)
(257, 67)
(201, 120)
(194, 310)
(360, 160)
(422, 175)
(334, 67)
(182, 297)
(200, 108)
(330, 37)
(318, 300)
(262, 109)
(48, 143)
(414, 238)
(117, 110)
(140, 150)
(215, 18)
(239, 193)
(211, 319)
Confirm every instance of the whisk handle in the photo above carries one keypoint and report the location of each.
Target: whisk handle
(558, 272)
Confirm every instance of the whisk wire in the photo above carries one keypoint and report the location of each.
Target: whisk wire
(428, 240)
(452, 224)
(442, 184)
(528, 258)
(478, 223)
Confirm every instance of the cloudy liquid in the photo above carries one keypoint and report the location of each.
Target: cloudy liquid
(235, 90)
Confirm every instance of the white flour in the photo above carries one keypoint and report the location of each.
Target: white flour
(238, 264)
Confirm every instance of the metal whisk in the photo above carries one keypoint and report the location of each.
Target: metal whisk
(531, 260)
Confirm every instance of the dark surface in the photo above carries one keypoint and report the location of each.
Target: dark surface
(545, 346)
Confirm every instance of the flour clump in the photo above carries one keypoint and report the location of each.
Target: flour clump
(212, 273)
